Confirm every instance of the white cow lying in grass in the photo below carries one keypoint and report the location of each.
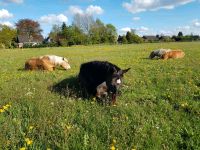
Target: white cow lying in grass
(158, 53)
(57, 61)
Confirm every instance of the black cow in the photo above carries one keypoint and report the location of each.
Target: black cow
(95, 73)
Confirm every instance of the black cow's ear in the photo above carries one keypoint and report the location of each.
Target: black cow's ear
(125, 70)
(121, 72)
(115, 70)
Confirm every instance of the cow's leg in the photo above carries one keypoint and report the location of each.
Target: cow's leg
(113, 99)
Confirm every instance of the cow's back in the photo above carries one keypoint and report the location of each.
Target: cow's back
(174, 54)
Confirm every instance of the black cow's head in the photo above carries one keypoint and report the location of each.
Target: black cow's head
(111, 85)
(117, 76)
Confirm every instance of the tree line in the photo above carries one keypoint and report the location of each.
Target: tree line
(84, 30)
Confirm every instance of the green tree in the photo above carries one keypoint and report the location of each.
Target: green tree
(129, 37)
(54, 34)
(180, 34)
(76, 36)
(64, 30)
(137, 39)
(133, 38)
(98, 33)
(111, 33)
(95, 32)
(122, 39)
(7, 35)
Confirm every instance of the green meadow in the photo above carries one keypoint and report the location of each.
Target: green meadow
(158, 106)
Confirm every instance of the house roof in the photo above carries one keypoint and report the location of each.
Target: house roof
(150, 37)
(25, 39)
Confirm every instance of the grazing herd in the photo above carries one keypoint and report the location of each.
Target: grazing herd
(101, 79)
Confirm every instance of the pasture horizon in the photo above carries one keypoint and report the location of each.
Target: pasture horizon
(158, 107)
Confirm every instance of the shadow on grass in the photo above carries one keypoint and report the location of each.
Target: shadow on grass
(147, 58)
(21, 69)
(69, 87)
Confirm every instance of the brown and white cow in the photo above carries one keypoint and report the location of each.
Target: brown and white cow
(47, 62)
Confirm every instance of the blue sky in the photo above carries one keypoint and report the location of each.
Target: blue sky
(147, 17)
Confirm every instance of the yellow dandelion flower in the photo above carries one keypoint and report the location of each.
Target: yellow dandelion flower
(126, 117)
(69, 126)
(23, 148)
(28, 141)
(48, 149)
(114, 141)
(30, 127)
(8, 105)
(92, 102)
(112, 147)
(2, 110)
(133, 149)
(184, 104)
(5, 107)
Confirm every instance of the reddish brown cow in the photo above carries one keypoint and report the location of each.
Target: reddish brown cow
(39, 64)
(173, 54)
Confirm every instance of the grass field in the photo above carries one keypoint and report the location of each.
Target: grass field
(159, 106)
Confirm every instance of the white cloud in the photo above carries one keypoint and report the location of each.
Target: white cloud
(75, 10)
(142, 29)
(4, 14)
(139, 30)
(53, 19)
(136, 18)
(124, 30)
(136, 6)
(12, 1)
(192, 29)
(183, 28)
(196, 23)
(90, 10)
(7, 23)
(15, 1)
(165, 32)
(94, 10)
